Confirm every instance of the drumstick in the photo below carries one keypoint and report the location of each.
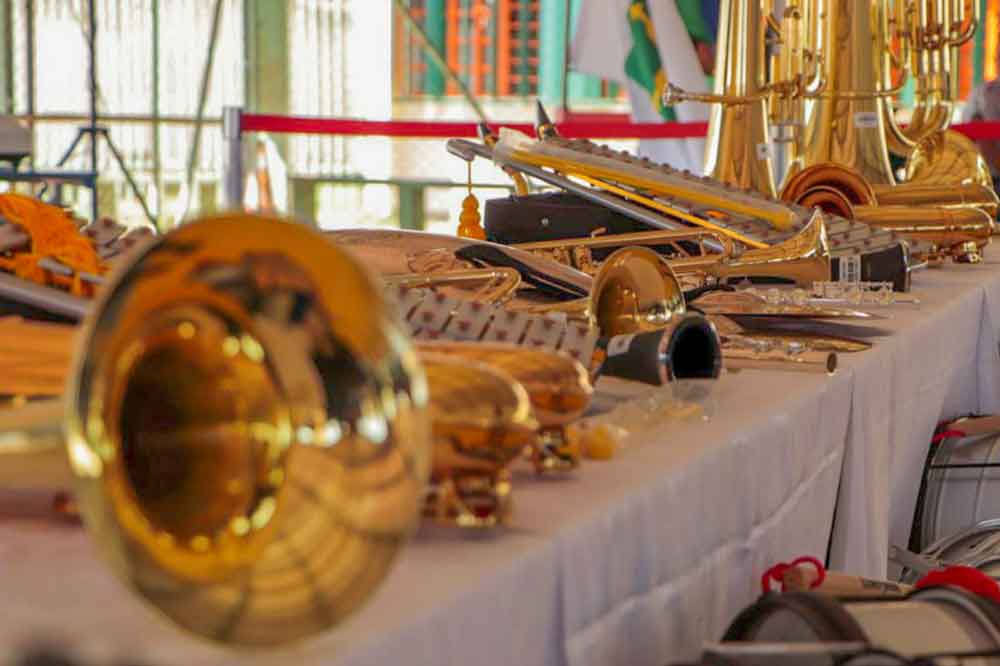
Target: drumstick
(836, 584)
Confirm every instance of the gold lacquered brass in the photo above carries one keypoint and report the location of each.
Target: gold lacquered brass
(959, 233)
(929, 32)
(578, 252)
(947, 157)
(851, 121)
(914, 212)
(634, 291)
(247, 428)
(738, 143)
(558, 387)
(482, 421)
(500, 283)
(802, 259)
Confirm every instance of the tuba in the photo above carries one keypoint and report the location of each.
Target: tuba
(745, 103)
(849, 125)
(246, 429)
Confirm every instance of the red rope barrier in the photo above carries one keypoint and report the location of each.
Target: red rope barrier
(583, 129)
(252, 122)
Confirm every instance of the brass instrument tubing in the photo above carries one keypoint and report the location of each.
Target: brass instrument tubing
(669, 210)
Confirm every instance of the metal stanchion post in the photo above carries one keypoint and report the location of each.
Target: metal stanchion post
(233, 167)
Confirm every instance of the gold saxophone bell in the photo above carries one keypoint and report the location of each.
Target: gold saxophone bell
(246, 428)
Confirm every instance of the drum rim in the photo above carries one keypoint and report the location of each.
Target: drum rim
(936, 549)
(825, 615)
(923, 524)
(985, 610)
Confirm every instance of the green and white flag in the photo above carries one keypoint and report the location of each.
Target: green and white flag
(643, 64)
(642, 44)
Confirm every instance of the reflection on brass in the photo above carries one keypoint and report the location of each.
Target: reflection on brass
(578, 252)
(958, 230)
(482, 420)
(929, 34)
(738, 143)
(667, 198)
(247, 430)
(633, 291)
(802, 259)
(558, 386)
(851, 121)
(501, 284)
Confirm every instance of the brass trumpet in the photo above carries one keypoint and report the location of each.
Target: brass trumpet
(802, 259)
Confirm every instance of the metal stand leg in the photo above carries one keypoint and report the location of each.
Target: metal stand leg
(128, 176)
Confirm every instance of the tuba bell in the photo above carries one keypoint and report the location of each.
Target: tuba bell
(246, 430)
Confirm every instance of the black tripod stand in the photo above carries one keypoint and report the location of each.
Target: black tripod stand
(95, 131)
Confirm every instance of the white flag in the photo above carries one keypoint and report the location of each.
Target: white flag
(601, 45)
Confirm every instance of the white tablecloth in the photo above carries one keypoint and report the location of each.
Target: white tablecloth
(940, 361)
(637, 560)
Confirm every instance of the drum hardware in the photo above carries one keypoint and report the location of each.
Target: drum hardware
(930, 622)
(839, 653)
(916, 563)
(956, 488)
(977, 547)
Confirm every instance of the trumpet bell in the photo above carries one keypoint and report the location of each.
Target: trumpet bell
(635, 291)
(247, 429)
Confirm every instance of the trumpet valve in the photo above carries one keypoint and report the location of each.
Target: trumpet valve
(554, 451)
(583, 260)
(473, 501)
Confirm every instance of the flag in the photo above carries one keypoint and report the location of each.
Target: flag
(643, 64)
(642, 44)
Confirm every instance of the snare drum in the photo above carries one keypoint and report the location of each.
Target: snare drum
(934, 620)
(960, 488)
(977, 547)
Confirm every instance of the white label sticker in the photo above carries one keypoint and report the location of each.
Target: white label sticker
(850, 268)
(866, 120)
(763, 151)
(619, 344)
